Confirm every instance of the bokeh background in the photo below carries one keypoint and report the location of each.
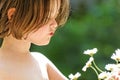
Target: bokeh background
(92, 23)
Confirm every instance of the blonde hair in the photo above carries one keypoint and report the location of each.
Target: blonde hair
(29, 15)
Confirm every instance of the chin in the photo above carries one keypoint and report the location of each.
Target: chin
(42, 44)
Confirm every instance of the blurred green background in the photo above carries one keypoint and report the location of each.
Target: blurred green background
(92, 23)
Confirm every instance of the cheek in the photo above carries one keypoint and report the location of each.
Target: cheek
(35, 35)
(40, 32)
(40, 37)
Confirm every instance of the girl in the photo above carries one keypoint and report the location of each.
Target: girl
(23, 22)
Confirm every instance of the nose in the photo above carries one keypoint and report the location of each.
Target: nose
(53, 25)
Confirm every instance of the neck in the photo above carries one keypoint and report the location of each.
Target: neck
(15, 46)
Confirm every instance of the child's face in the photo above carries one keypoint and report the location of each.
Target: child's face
(43, 35)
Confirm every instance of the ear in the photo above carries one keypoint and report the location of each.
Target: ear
(10, 13)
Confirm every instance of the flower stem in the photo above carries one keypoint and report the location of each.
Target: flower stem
(97, 66)
(95, 71)
(117, 62)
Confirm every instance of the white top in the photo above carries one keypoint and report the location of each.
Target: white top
(42, 60)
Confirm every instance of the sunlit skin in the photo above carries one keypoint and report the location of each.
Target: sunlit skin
(16, 62)
(43, 35)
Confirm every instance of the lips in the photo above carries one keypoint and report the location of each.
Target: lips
(51, 33)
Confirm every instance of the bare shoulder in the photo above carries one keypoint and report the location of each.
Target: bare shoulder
(40, 57)
(52, 71)
(42, 61)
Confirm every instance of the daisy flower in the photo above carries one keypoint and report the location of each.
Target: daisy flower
(104, 75)
(90, 52)
(111, 67)
(116, 55)
(88, 64)
(74, 77)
